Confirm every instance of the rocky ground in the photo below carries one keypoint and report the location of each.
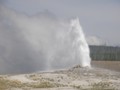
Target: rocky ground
(76, 78)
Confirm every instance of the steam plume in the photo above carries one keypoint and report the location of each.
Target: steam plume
(40, 42)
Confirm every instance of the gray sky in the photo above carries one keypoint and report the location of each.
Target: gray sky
(99, 18)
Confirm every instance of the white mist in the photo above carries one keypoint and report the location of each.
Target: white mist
(40, 42)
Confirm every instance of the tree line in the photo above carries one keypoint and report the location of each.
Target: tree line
(109, 53)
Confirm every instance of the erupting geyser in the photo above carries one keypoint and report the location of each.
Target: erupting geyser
(40, 42)
(80, 42)
(73, 47)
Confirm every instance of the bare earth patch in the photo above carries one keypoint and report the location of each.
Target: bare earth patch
(111, 65)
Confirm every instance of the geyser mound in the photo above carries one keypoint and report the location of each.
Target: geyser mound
(40, 42)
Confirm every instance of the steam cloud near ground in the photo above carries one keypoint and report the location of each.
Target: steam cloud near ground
(33, 43)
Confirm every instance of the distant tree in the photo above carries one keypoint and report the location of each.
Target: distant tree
(105, 53)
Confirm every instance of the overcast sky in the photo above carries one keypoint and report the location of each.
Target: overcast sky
(99, 18)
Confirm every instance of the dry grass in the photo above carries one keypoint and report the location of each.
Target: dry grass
(101, 86)
(112, 65)
(7, 84)
(42, 85)
(95, 86)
